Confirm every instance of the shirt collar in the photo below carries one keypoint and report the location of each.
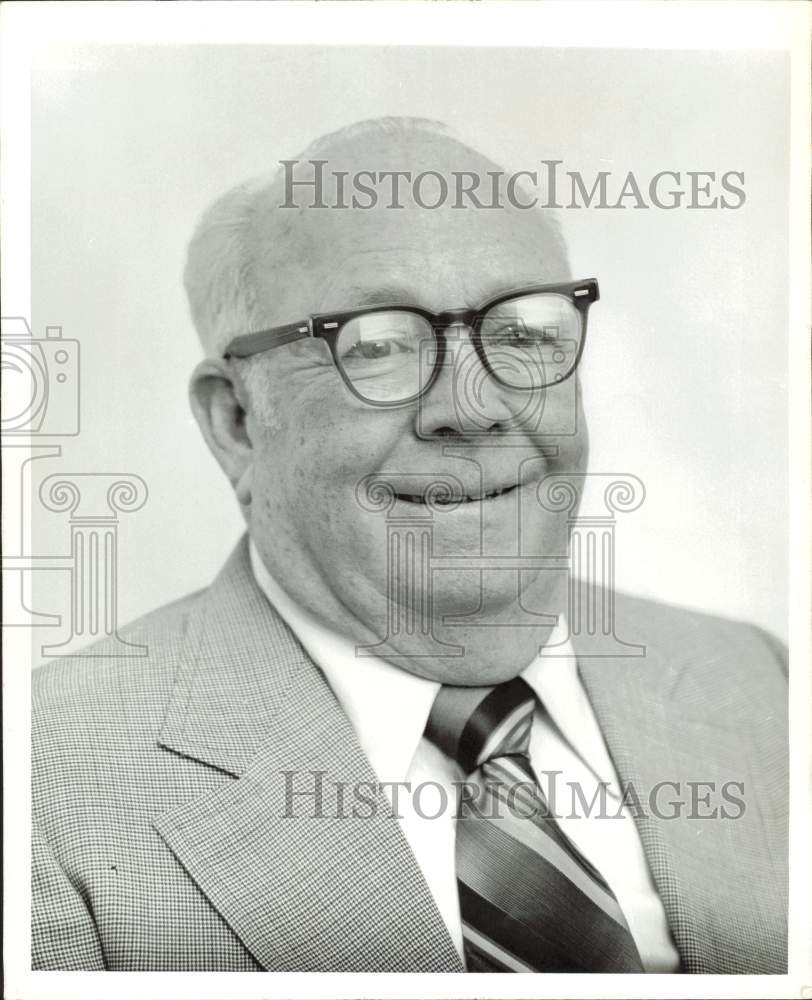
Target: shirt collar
(367, 686)
(553, 676)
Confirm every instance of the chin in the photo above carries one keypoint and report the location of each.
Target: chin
(470, 671)
(492, 594)
(488, 675)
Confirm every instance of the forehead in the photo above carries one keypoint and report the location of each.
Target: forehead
(309, 260)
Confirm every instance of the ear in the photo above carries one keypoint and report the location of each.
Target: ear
(221, 415)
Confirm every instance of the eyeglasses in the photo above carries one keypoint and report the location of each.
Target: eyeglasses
(527, 339)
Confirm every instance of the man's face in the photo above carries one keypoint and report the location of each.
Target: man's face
(313, 442)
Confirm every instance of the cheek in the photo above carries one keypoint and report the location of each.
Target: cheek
(312, 460)
(563, 424)
(272, 416)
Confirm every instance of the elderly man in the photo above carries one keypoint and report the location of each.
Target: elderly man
(348, 754)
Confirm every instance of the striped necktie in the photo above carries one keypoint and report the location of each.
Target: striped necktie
(529, 900)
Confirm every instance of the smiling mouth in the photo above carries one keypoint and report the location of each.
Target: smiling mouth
(444, 500)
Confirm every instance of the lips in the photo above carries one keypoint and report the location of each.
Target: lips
(446, 499)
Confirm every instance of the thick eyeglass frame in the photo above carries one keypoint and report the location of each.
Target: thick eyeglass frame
(328, 326)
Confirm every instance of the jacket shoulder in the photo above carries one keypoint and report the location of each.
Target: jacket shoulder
(674, 623)
(107, 669)
(703, 656)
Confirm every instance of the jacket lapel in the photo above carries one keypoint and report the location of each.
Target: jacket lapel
(309, 877)
(714, 875)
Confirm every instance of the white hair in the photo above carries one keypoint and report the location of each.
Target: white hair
(218, 273)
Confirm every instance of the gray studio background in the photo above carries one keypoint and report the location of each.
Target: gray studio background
(685, 381)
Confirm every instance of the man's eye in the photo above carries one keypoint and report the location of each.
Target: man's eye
(521, 334)
(370, 350)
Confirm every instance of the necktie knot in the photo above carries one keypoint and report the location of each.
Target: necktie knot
(473, 725)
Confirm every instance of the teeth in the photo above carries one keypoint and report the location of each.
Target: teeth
(447, 501)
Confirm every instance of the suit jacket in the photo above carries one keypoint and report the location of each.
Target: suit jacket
(160, 836)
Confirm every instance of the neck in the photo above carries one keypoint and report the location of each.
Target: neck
(457, 645)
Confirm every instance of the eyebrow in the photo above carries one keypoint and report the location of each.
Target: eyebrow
(384, 295)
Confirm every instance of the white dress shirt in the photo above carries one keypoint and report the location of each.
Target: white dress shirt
(565, 738)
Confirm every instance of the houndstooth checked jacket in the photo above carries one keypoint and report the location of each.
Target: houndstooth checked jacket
(160, 841)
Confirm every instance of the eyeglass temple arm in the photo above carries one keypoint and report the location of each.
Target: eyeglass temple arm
(264, 340)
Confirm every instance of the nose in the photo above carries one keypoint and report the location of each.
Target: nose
(465, 400)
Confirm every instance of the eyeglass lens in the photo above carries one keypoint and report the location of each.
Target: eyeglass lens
(530, 342)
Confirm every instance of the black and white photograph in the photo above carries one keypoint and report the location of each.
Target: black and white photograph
(405, 441)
